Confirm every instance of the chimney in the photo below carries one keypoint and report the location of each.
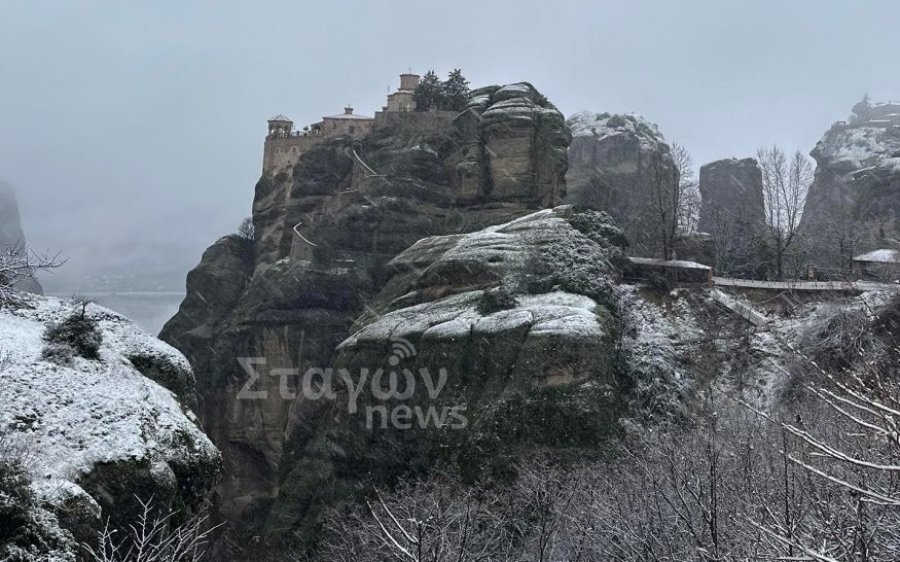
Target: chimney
(348, 110)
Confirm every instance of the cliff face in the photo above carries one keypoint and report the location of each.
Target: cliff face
(617, 163)
(483, 345)
(854, 200)
(733, 212)
(11, 235)
(521, 140)
(324, 235)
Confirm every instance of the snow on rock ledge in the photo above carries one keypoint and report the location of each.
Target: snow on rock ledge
(100, 431)
(528, 300)
(854, 148)
(604, 125)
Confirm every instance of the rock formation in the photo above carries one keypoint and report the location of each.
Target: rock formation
(733, 212)
(854, 201)
(96, 434)
(324, 234)
(504, 339)
(619, 164)
(11, 236)
(502, 130)
(404, 305)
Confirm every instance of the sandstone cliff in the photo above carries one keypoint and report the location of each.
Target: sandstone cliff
(733, 212)
(854, 201)
(619, 164)
(405, 305)
(325, 233)
(11, 235)
(501, 340)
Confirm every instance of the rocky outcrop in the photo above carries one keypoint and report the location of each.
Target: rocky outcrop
(733, 212)
(11, 236)
(217, 285)
(96, 434)
(513, 147)
(619, 164)
(854, 200)
(325, 232)
(480, 345)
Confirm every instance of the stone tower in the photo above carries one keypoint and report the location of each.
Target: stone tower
(280, 127)
(404, 99)
(409, 81)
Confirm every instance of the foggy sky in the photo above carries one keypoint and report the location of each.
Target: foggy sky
(133, 130)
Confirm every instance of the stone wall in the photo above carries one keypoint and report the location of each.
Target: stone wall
(413, 121)
(356, 128)
(282, 153)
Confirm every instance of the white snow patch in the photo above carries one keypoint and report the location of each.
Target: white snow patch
(551, 314)
(604, 125)
(883, 255)
(862, 147)
(89, 412)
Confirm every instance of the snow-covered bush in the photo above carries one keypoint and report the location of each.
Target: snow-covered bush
(15, 498)
(888, 320)
(28, 533)
(837, 336)
(655, 390)
(78, 334)
(61, 354)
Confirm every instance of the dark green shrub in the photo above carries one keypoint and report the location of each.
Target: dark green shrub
(16, 499)
(27, 533)
(61, 354)
(78, 332)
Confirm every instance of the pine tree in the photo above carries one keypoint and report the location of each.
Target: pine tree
(862, 110)
(428, 93)
(456, 91)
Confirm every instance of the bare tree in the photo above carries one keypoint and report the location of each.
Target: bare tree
(246, 230)
(153, 537)
(786, 182)
(665, 203)
(438, 520)
(19, 263)
(689, 192)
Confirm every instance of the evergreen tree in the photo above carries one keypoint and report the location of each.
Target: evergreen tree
(455, 91)
(428, 93)
(862, 110)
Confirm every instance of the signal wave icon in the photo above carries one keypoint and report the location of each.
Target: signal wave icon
(401, 348)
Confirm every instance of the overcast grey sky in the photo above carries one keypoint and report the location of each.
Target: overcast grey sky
(133, 130)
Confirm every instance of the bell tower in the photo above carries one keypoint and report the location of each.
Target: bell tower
(280, 127)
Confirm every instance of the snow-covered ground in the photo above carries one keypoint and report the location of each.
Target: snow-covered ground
(68, 419)
(675, 341)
